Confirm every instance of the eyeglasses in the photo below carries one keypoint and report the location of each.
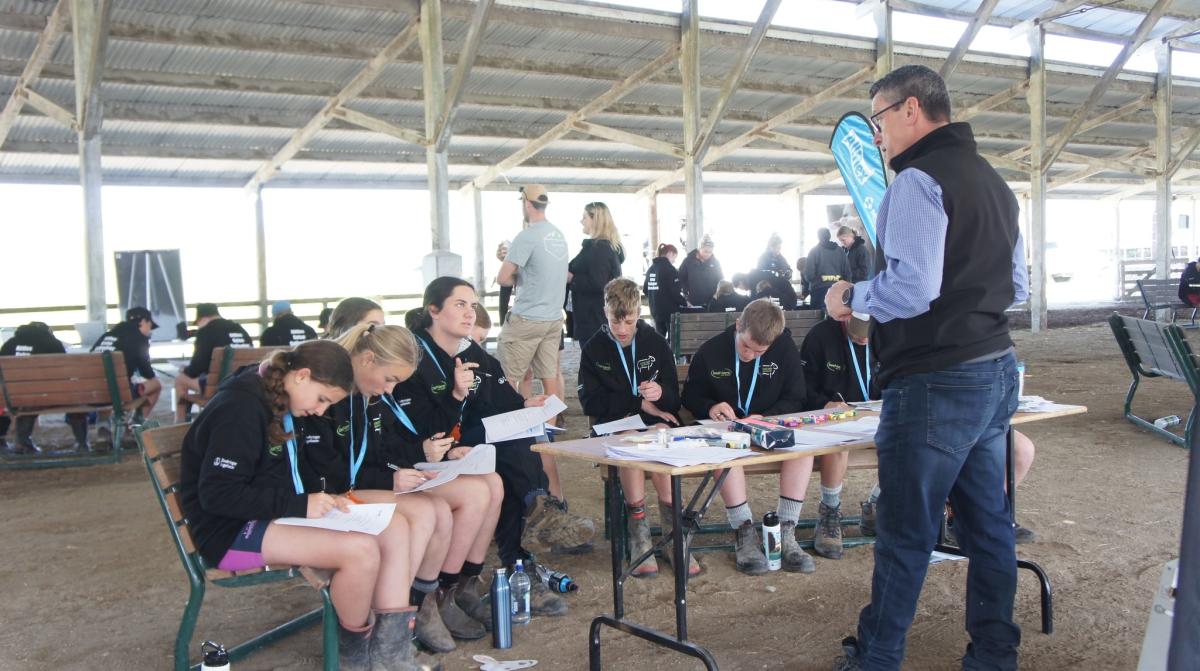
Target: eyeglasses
(874, 118)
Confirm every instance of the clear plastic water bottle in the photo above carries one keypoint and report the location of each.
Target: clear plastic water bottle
(1164, 422)
(519, 585)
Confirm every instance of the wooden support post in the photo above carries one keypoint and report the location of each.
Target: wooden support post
(90, 37)
(689, 68)
(1162, 156)
(260, 249)
(430, 35)
(1036, 96)
(655, 236)
(884, 56)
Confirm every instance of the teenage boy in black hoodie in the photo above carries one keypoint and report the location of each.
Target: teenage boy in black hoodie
(132, 338)
(628, 369)
(456, 385)
(36, 338)
(214, 331)
(287, 330)
(753, 369)
(825, 265)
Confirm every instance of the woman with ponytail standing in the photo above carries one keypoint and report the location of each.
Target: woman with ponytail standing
(662, 288)
(597, 263)
(240, 471)
(353, 454)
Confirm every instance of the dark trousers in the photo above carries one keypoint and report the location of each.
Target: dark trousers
(942, 435)
(505, 299)
(520, 469)
(816, 299)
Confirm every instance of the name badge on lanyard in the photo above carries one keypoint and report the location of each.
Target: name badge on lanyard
(633, 385)
(864, 386)
(289, 425)
(356, 461)
(737, 375)
(439, 367)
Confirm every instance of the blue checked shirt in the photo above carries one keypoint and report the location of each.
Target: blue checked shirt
(916, 253)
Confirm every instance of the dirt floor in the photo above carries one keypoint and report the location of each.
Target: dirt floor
(91, 579)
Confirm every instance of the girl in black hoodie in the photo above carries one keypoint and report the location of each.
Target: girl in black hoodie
(662, 288)
(240, 471)
(458, 518)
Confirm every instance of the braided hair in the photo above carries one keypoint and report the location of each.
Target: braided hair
(328, 364)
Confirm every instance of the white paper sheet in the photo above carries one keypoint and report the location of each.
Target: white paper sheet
(1039, 404)
(523, 423)
(364, 518)
(481, 459)
(807, 439)
(633, 423)
(681, 453)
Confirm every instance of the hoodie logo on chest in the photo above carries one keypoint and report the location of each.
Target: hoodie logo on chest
(343, 428)
(312, 440)
(646, 364)
(475, 384)
(275, 450)
(769, 369)
(377, 424)
(607, 368)
(438, 387)
(720, 373)
(834, 367)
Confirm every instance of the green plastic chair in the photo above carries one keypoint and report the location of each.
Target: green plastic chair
(161, 450)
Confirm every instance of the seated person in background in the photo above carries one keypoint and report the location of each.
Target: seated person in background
(351, 312)
(750, 370)
(483, 326)
(727, 299)
(213, 331)
(323, 321)
(36, 338)
(765, 290)
(132, 338)
(287, 330)
(1189, 284)
(837, 362)
(616, 381)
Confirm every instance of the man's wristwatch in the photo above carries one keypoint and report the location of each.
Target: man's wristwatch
(847, 296)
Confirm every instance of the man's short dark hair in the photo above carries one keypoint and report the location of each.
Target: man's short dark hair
(920, 82)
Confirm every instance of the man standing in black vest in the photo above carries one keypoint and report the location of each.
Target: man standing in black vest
(949, 263)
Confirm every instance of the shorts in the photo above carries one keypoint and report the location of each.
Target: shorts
(526, 344)
(246, 551)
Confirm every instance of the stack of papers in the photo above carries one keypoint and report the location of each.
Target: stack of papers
(479, 461)
(835, 433)
(365, 518)
(523, 423)
(633, 423)
(874, 406)
(1039, 404)
(680, 453)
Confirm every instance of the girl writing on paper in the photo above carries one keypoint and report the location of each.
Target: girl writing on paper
(240, 471)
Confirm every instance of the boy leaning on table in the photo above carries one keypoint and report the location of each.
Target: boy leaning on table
(626, 369)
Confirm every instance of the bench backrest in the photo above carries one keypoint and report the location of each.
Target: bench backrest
(64, 381)
(1159, 293)
(1154, 349)
(226, 360)
(162, 449)
(690, 330)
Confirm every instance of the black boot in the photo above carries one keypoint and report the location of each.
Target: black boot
(25, 443)
(392, 647)
(79, 427)
(354, 647)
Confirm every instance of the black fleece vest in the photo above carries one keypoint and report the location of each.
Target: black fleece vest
(967, 319)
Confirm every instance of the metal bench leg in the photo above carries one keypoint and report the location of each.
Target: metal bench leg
(1047, 595)
(330, 633)
(187, 625)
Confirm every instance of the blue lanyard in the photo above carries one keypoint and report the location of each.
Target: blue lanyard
(737, 374)
(621, 355)
(858, 371)
(439, 367)
(356, 462)
(290, 426)
(399, 413)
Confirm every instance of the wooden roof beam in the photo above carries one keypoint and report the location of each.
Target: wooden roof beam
(42, 51)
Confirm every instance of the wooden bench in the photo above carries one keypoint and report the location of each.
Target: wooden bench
(1163, 295)
(161, 451)
(45, 384)
(225, 361)
(1154, 349)
(690, 330)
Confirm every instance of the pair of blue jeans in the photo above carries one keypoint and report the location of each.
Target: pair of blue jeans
(943, 436)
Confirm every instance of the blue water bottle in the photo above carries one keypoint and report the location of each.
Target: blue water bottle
(501, 604)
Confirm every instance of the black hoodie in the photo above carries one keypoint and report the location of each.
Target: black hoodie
(826, 265)
(596, 264)
(127, 339)
(229, 473)
(428, 396)
(662, 289)
(828, 370)
(327, 442)
(1190, 276)
(711, 378)
(698, 279)
(219, 332)
(32, 338)
(286, 331)
(859, 258)
(606, 393)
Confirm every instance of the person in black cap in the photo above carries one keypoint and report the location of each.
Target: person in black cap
(213, 331)
(132, 338)
(36, 338)
(287, 329)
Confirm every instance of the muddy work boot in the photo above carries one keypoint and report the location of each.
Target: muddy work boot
(354, 645)
(639, 544)
(748, 550)
(460, 625)
(544, 602)
(795, 559)
(467, 598)
(827, 535)
(429, 628)
(667, 519)
(548, 525)
(392, 646)
(866, 524)
(849, 659)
